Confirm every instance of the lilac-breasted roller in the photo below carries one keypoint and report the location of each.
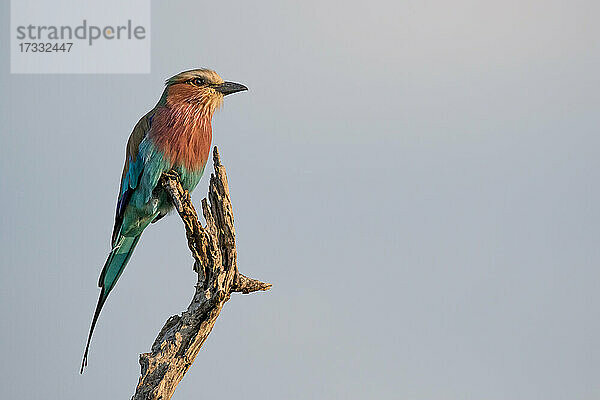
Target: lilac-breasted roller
(175, 134)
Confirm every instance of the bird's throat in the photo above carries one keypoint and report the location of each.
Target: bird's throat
(183, 133)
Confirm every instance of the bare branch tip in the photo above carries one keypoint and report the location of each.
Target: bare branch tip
(216, 157)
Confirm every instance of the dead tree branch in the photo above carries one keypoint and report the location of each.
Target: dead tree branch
(214, 252)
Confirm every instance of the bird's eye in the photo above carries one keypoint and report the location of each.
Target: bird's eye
(198, 82)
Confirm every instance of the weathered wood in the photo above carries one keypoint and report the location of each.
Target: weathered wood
(215, 255)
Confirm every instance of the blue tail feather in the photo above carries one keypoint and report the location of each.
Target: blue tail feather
(113, 268)
(116, 262)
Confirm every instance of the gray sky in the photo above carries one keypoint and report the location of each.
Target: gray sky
(418, 179)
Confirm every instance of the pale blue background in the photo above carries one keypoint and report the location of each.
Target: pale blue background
(418, 179)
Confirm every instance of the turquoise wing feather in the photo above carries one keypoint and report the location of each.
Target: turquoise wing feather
(132, 171)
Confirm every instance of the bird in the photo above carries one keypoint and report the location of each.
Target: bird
(175, 135)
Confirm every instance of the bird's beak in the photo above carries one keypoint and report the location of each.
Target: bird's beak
(229, 87)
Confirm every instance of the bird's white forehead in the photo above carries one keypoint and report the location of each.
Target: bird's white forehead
(208, 75)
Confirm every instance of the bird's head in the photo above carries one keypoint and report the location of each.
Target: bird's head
(202, 89)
